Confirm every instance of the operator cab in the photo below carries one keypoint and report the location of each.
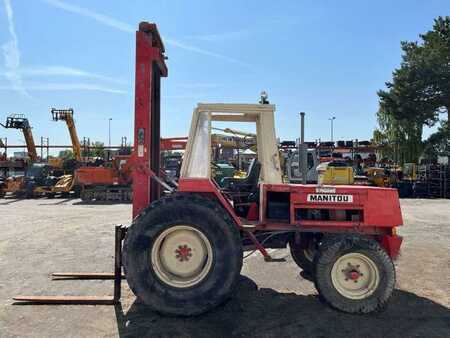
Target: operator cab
(265, 169)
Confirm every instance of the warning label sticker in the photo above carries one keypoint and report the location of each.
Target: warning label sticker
(327, 198)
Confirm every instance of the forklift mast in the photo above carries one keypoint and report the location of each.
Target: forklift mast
(67, 115)
(150, 67)
(19, 121)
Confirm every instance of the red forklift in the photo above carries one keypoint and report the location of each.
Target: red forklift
(183, 253)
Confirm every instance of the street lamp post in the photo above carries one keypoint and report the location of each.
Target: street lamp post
(109, 138)
(332, 119)
(109, 131)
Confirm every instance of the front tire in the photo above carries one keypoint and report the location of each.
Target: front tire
(354, 274)
(183, 255)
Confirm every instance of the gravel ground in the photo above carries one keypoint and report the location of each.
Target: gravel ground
(42, 236)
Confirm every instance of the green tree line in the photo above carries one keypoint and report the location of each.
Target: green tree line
(418, 96)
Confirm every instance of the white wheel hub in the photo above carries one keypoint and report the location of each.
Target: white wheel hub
(181, 256)
(355, 276)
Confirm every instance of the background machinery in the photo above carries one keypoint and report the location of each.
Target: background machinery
(19, 121)
(67, 116)
(38, 177)
(171, 157)
(106, 183)
(67, 182)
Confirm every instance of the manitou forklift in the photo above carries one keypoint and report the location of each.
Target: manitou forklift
(183, 253)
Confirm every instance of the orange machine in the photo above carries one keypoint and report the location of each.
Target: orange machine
(14, 184)
(19, 121)
(111, 183)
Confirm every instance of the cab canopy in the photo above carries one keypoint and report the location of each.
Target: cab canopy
(196, 163)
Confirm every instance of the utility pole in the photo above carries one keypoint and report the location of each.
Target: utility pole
(332, 119)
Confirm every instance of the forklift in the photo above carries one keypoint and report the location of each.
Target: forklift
(183, 253)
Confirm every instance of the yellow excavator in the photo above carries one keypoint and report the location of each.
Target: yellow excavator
(66, 183)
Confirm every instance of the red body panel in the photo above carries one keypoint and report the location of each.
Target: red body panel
(201, 185)
(378, 209)
(380, 206)
(392, 245)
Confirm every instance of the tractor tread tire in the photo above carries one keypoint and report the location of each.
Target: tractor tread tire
(335, 246)
(207, 216)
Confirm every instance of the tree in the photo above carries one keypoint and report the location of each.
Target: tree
(66, 154)
(419, 91)
(96, 149)
(437, 143)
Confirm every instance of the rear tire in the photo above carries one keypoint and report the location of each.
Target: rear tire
(354, 274)
(183, 255)
(303, 251)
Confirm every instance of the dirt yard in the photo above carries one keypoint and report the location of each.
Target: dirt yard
(42, 236)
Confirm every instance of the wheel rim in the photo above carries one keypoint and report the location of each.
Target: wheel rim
(181, 256)
(355, 276)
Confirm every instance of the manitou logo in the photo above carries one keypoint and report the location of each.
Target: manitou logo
(325, 190)
(327, 198)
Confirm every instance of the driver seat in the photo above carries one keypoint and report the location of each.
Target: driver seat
(248, 184)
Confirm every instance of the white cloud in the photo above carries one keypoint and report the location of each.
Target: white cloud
(191, 48)
(61, 71)
(104, 19)
(11, 53)
(219, 37)
(125, 27)
(69, 87)
(192, 85)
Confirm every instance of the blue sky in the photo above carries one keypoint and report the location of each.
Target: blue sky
(327, 58)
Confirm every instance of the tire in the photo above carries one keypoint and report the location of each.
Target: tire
(303, 251)
(145, 256)
(86, 195)
(344, 261)
(29, 194)
(77, 191)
